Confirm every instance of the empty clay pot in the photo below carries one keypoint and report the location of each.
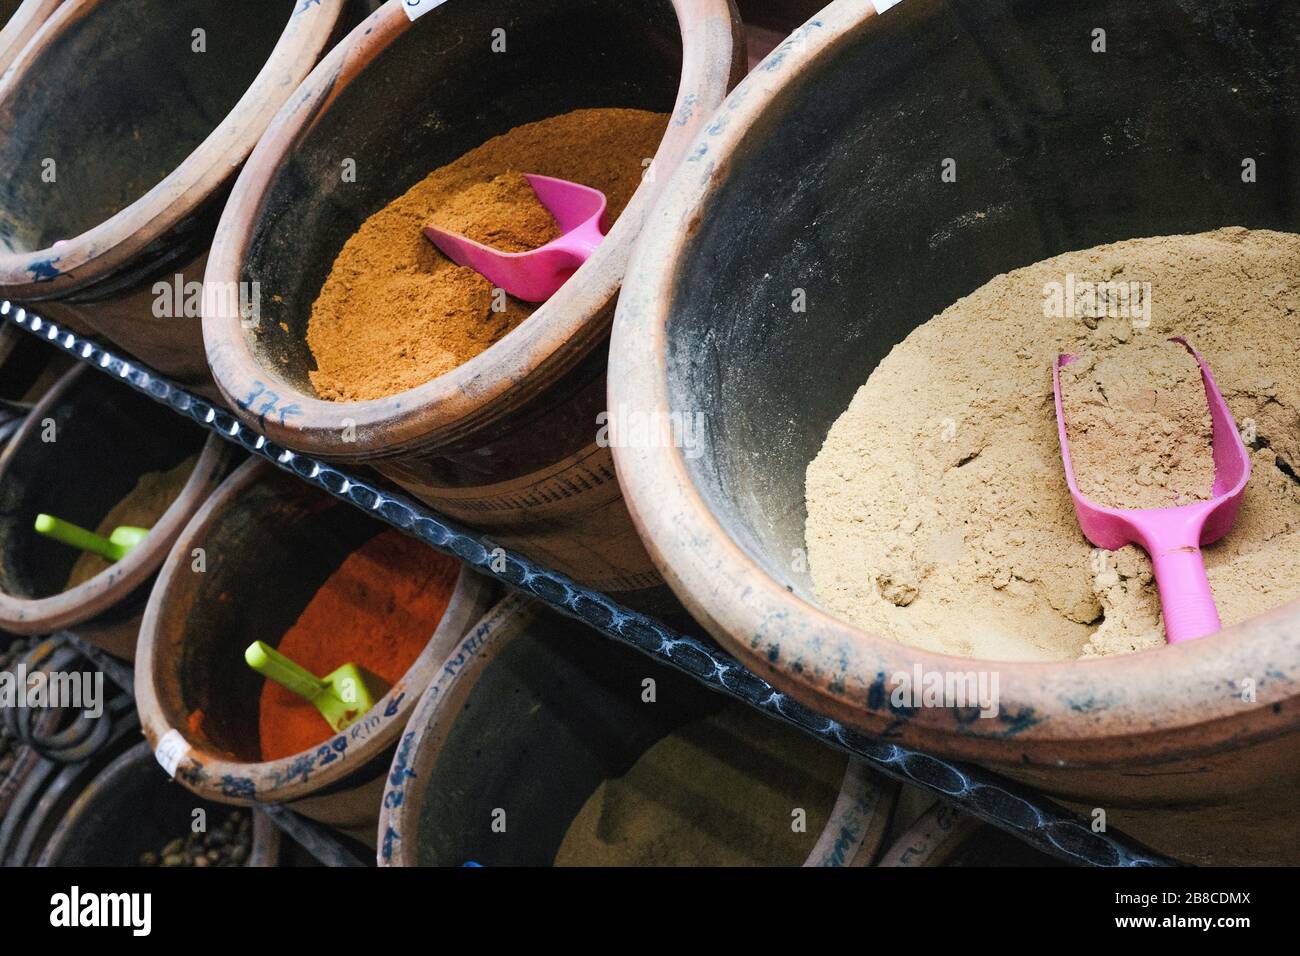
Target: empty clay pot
(269, 542)
(19, 21)
(121, 185)
(507, 442)
(105, 827)
(82, 449)
(528, 717)
(842, 134)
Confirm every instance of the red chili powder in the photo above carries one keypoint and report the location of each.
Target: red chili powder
(378, 610)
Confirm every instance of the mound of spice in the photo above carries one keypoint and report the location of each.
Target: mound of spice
(1139, 426)
(395, 312)
(938, 513)
(378, 610)
(143, 506)
(718, 792)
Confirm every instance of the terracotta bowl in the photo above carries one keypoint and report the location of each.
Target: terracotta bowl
(105, 438)
(269, 543)
(822, 170)
(508, 441)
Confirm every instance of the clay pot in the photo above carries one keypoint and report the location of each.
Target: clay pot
(528, 716)
(105, 827)
(269, 543)
(507, 442)
(105, 438)
(142, 156)
(19, 20)
(849, 128)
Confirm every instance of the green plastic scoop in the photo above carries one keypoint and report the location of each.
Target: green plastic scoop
(115, 547)
(342, 696)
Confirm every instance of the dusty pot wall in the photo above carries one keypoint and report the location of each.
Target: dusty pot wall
(508, 441)
(529, 715)
(104, 438)
(845, 131)
(269, 543)
(105, 827)
(142, 156)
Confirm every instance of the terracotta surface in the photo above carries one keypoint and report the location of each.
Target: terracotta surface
(507, 442)
(1169, 729)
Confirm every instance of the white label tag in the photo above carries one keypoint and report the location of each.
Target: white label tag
(171, 750)
(418, 8)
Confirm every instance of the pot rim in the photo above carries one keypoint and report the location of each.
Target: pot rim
(546, 345)
(209, 772)
(107, 247)
(93, 597)
(855, 822)
(24, 22)
(1178, 701)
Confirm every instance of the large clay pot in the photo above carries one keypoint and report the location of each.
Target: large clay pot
(83, 448)
(269, 543)
(117, 187)
(532, 712)
(844, 130)
(509, 441)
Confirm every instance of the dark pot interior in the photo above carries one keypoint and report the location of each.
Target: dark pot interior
(453, 94)
(555, 712)
(1058, 149)
(106, 438)
(7, 10)
(106, 827)
(145, 100)
(267, 554)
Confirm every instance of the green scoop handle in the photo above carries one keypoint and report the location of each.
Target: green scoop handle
(273, 665)
(114, 548)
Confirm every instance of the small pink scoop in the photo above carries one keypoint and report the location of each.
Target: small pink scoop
(536, 275)
(1172, 536)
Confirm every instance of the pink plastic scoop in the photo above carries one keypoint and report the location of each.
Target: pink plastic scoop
(1172, 536)
(536, 275)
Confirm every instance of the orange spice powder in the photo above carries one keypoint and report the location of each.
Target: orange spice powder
(395, 312)
(378, 610)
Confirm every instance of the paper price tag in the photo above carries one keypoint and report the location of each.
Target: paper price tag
(418, 8)
(171, 750)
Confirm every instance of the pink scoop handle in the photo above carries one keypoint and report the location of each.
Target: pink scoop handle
(536, 275)
(1172, 536)
(1185, 596)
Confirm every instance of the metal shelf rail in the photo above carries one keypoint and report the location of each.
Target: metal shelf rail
(1011, 806)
